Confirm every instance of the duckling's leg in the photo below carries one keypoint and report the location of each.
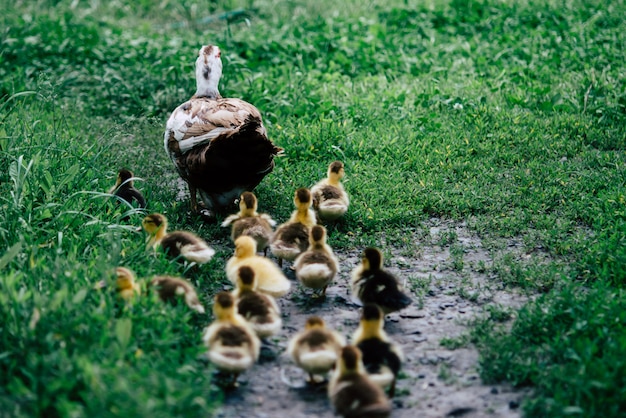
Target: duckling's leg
(392, 388)
(233, 382)
(280, 262)
(194, 201)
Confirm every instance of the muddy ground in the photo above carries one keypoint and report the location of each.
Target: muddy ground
(449, 273)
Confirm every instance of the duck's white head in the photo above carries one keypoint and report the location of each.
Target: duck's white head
(208, 71)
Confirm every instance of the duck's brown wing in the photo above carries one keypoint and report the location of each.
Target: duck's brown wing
(199, 120)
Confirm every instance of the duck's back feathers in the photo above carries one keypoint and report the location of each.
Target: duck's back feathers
(231, 347)
(381, 360)
(170, 289)
(357, 397)
(290, 239)
(188, 245)
(130, 195)
(261, 312)
(381, 288)
(257, 227)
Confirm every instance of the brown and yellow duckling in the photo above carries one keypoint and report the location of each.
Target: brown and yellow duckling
(126, 285)
(317, 266)
(351, 391)
(271, 280)
(373, 284)
(251, 223)
(292, 237)
(330, 199)
(170, 289)
(177, 243)
(316, 348)
(124, 188)
(382, 358)
(233, 347)
(260, 310)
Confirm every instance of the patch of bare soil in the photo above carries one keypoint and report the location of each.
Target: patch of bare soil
(451, 286)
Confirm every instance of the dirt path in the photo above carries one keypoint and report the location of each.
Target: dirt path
(435, 381)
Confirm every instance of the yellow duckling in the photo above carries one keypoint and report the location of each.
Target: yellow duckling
(316, 348)
(292, 237)
(381, 357)
(351, 391)
(330, 200)
(317, 266)
(258, 309)
(232, 345)
(270, 278)
(178, 243)
(249, 222)
(372, 284)
(124, 188)
(170, 289)
(126, 285)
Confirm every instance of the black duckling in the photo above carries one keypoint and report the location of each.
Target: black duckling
(373, 284)
(382, 358)
(124, 188)
(218, 145)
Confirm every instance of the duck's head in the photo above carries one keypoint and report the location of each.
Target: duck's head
(245, 246)
(125, 278)
(208, 71)
(248, 203)
(314, 322)
(246, 279)
(302, 198)
(124, 176)
(350, 360)
(372, 259)
(336, 171)
(224, 305)
(154, 224)
(318, 235)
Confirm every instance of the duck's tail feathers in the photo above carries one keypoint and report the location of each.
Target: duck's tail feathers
(314, 272)
(233, 360)
(319, 360)
(199, 254)
(332, 210)
(267, 329)
(277, 286)
(280, 250)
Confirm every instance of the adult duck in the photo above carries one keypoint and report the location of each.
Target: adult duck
(219, 146)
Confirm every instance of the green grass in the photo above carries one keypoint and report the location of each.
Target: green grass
(509, 116)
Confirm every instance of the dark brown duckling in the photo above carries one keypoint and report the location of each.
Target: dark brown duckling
(251, 223)
(351, 391)
(373, 284)
(170, 289)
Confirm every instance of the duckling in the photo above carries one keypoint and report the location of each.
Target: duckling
(218, 145)
(372, 284)
(178, 243)
(258, 309)
(171, 288)
(317, 266)
(233, 347)
(316, 348)
(249, 222)
(271, 279)
(330, 200)
(124, 188)
(381, 357)
(351, 391)
(292, 237)
(126, 285)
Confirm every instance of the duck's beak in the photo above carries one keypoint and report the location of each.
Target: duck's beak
(139, 228)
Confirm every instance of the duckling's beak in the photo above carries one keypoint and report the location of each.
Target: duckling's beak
(139, 228)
